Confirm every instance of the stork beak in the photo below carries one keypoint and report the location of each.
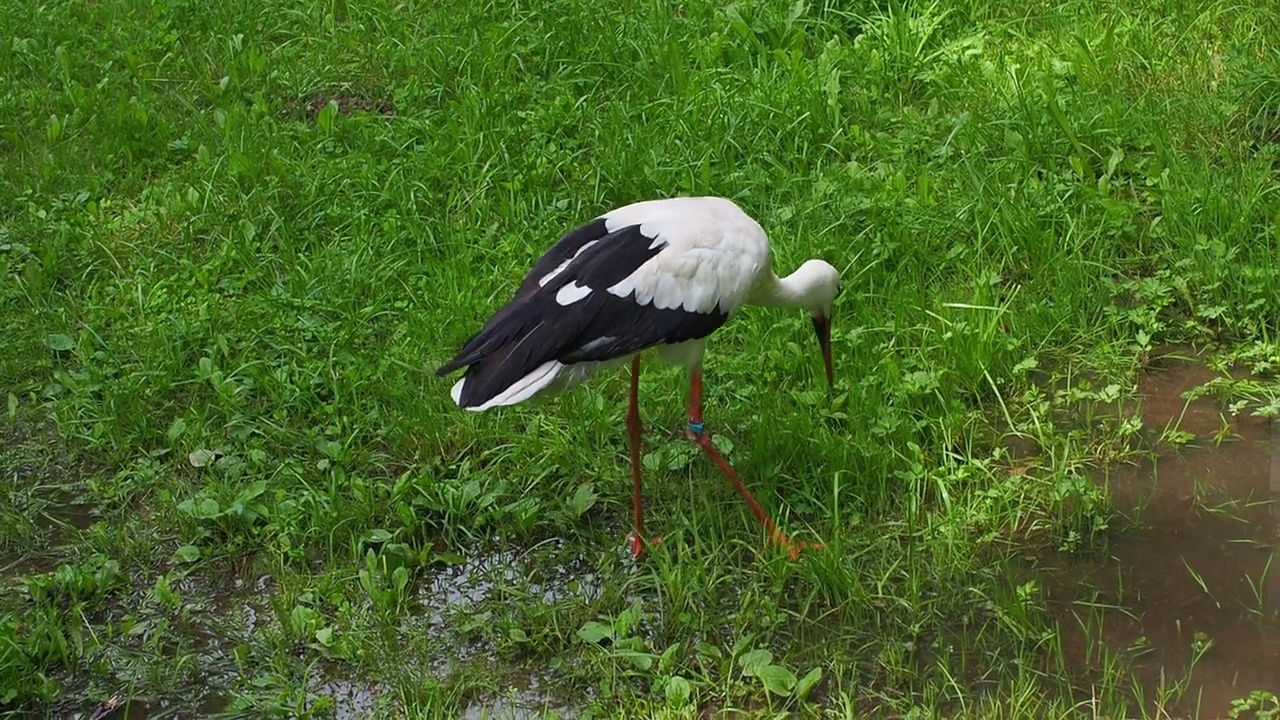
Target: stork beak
(822, 325)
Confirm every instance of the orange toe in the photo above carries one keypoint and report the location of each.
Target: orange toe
(794, 547)
(638, 544)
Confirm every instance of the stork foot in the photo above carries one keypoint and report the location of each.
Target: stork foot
(793, 547)
(638, 544)
(700, 437)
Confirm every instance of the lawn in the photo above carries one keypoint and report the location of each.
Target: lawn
(237, 239)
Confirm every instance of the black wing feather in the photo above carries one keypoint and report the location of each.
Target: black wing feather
(534, 328)
(564, 249)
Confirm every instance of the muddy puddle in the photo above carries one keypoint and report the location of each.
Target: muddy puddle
(524, 700)
(1191, 594)
(218, 619)
(54, 524)
(454, 602)
(44, 505)
(344, 698)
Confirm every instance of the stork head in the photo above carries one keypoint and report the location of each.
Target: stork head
(822, 284)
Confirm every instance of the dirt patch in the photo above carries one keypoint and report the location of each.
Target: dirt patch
(346, 104)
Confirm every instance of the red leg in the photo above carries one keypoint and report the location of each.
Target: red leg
(633, 429)
(699, 435)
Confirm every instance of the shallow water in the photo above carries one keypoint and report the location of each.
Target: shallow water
(549, 573)
(351, 699)
(522, 701)
(31, 464)
(1201, 573)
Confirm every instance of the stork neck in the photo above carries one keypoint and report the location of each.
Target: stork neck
(790, 291)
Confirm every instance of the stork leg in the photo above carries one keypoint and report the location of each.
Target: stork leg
(698, 434)
(637, 538)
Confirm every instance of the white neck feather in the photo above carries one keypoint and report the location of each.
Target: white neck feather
(812, 286)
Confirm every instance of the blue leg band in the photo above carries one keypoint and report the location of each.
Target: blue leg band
(696, 428)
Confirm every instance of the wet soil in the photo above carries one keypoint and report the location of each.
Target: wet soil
(1191, 593)
(346, 104)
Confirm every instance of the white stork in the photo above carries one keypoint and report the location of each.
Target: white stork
(660, 274)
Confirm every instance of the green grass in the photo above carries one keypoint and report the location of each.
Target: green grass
(221, 310)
